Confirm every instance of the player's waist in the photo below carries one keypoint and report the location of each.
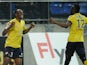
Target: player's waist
(13, 45)
(75, 39)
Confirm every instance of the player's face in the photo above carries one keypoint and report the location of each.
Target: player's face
(72, 10)
(19, 14)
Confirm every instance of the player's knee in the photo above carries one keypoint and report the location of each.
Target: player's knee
(68, 56)
(6, 60)
(83, 58)
(18, 62)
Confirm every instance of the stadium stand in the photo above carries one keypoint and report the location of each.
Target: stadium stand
(83, 7)
(39, 12)
(56, 8)
(4, 10)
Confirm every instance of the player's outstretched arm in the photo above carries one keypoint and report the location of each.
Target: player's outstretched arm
(7, 28)
(32, 25)
(65, 25)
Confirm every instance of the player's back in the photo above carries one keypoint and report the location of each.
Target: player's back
(77, 28)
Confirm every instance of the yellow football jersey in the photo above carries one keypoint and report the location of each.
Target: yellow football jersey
(77, 27)
(15, 34)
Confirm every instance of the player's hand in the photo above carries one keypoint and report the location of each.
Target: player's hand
(9, 25)
(32, 25)
(52, 20)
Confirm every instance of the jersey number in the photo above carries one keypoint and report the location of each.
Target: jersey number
(80, 24)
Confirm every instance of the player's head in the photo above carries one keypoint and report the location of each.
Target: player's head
(19, 13)
(75, 9)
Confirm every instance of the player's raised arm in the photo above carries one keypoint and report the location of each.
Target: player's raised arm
(7, 28)
(32, 25)
(65, 25)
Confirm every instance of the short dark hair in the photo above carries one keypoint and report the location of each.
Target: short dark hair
(76, 7)
(17, 10)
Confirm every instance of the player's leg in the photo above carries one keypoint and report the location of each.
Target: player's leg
(7, 55)
(18, 61)
(11, 62)
(6, 60)
(69, 52)
(18, 55)
(81, 52)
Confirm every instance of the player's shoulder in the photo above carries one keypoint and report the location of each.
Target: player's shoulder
(70, 16)
(23, 20)
(12, 20)
(82, 15)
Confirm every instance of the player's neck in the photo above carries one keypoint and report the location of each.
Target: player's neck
(18, 19)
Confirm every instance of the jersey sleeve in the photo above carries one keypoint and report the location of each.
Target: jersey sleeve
(86, 20)
(70, 19)
(24, 27)
(9, 23)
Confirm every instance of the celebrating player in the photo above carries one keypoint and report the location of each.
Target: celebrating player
(76, 21)
(15, 29)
